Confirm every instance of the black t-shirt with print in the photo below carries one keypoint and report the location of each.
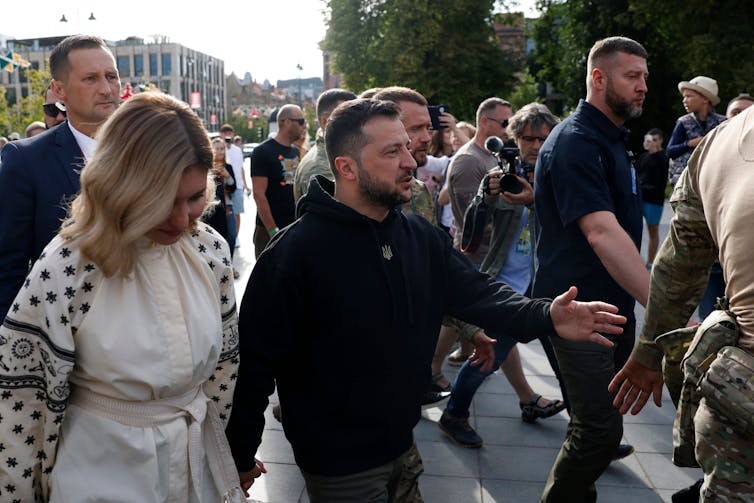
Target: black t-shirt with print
(278, 163)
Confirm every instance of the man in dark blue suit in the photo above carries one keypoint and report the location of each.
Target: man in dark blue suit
(40, 175)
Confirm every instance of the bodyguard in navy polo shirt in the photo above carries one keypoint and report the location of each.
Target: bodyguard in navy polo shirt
(589, 207)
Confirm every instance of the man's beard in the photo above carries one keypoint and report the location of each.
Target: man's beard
(619, 105)
(420, 158)
(377, 193)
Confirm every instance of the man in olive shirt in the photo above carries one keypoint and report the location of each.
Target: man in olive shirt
(315, 161)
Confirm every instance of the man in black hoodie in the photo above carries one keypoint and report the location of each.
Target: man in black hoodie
(336, 291)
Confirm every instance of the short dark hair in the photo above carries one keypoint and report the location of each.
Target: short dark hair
(344, 133)
(225, 128)
(397, 94)
(330, 99)
(535, 115)
(489, 105)
(742, 96)
(607, 47)
(59, 64)
(369, 93)
(656, 132)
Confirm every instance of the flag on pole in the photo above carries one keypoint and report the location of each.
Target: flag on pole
(6, 63)
(19, 61)
(11, 60)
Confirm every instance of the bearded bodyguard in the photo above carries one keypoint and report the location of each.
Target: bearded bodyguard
(712, 220)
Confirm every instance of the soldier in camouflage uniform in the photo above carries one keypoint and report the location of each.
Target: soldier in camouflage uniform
(713, 208)
(315, 161)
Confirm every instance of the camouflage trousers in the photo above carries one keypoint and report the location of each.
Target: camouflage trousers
(726, 454)
(408, 485)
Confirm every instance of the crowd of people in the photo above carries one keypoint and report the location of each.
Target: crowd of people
(130, 373)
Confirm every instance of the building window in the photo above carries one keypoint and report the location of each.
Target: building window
(153, 70)
(167, 64)
(124, 66)
(165, 86)
(138, 65)
(10, 95)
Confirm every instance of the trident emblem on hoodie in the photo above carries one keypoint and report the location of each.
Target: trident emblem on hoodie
(387, 253)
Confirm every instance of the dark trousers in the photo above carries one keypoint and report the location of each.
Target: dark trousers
(376, 485)
(596, 427)
(715, 289)
(261, 238)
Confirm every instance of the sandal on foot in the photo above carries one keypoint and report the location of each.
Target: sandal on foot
(457, 358)
(436, 378)
(532, 411)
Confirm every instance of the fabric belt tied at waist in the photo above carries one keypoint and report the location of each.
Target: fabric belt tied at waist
(206, 434)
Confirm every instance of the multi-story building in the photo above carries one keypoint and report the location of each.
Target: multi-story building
(189, 75)
(304, 90)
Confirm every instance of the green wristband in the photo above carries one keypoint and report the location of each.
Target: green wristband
(273, 231)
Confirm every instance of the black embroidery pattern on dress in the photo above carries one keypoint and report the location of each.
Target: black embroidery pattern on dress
(22, 348)
(220, 385)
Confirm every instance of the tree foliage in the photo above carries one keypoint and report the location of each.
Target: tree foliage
(445, 49)
(27, 109)
(684, 38)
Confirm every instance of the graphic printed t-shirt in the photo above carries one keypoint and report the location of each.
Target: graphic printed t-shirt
(516, 271)
(278, 163)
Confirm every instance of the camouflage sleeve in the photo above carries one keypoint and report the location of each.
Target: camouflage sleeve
(465, 330)
(421, 202)
(680, 272)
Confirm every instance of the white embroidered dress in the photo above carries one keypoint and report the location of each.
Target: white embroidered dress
(108, 386)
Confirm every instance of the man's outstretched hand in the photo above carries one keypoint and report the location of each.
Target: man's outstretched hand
(584, 321)
(637, 383)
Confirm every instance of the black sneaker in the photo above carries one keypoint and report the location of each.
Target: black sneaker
(689, 494)
(623, 451)
(434, 398)
(459, 431)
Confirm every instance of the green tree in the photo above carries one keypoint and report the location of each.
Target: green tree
(240, 123)
(684, 38)
(526, 90)
(5, 120)
(445, 49)
(27, 109)
(30, 106)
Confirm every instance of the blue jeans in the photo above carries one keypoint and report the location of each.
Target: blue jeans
(715, 289)
(470, 378)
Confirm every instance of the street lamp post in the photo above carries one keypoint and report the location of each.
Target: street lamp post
(300, 98)
(78, 19)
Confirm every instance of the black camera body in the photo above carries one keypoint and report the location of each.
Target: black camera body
(508, 182)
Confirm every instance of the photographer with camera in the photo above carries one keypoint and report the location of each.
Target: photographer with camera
(504, 201)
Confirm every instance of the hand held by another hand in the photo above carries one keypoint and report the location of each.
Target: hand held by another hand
(247, 478)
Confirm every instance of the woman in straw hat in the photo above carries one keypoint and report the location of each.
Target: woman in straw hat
(699, 99)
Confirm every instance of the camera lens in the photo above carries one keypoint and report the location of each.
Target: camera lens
(509, 183)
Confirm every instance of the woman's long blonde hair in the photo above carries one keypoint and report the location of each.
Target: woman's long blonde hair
(129, 185)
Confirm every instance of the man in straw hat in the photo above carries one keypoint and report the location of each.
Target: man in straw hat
(699, 99)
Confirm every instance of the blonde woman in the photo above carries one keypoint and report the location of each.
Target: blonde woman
(119, 353)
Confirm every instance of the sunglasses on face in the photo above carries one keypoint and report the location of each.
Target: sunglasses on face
(53, 109)
(301, 122)
(502, 122)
